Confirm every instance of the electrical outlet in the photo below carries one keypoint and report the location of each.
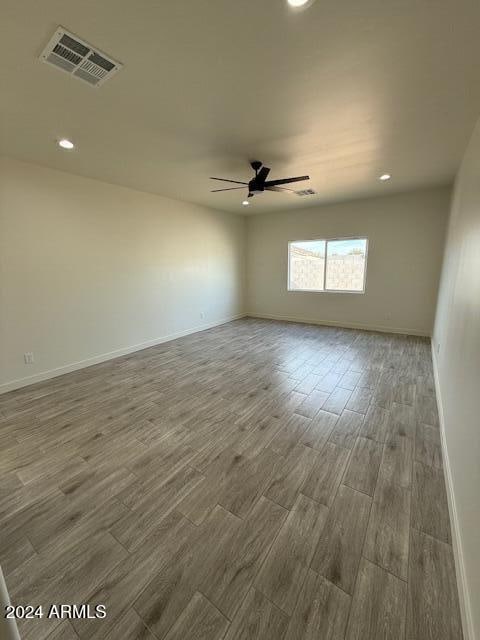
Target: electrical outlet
(28, 357)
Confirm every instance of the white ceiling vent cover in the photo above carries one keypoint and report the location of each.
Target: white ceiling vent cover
(78, 58)
(306, 192)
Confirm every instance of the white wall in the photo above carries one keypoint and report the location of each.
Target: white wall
(457, 349)
(406, 236)
(88, 268)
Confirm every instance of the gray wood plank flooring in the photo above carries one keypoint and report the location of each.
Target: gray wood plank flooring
(432, 594)
(363, 466)
(287, 564)
(259, 480)
(340, 547)
(258, 619)
(379, 604)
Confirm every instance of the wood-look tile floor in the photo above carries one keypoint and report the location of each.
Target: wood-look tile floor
(257, 481)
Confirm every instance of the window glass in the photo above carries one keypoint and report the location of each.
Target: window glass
(346, 261)
(306, 265)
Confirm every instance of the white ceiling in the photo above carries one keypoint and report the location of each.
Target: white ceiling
(343, 91)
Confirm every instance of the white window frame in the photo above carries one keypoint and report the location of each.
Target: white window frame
(325, 290)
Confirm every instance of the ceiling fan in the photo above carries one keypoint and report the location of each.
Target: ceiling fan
(259, 183)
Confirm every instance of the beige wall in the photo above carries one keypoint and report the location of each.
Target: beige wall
(406, 236)
(457, 349)
(88, 268)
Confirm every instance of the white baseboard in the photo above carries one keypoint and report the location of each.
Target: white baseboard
(345, 325)
(463, 596)
(103, 357)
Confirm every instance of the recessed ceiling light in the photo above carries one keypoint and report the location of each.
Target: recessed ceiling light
(299, 3)
(384, 177)
(245, 203)
(65, 144)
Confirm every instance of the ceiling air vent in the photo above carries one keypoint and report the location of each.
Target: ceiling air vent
(78, 58)
(306, 192)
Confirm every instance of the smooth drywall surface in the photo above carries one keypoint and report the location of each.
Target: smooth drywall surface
(456, 343)
(405, 243)
(89, 269)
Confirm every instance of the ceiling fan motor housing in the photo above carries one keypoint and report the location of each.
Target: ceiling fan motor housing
(255, 187)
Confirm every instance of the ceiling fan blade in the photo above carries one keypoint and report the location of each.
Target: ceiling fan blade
(226, 180)
(229, 189)
(279, 189)
(274, 183)
(262, 174)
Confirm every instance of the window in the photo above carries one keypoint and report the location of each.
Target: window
(327, 265)
(306, 261)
